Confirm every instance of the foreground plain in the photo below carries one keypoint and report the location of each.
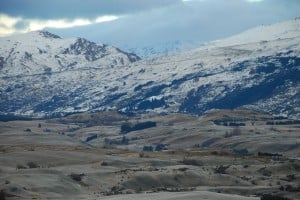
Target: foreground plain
(87, 156)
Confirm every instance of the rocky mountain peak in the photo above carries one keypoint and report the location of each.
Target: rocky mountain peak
(47, 34)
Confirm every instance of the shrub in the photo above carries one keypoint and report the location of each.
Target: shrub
(32, 165)
(291, 177)
(76, 177)
(236, 124)
(161, 147)
(125, 128)
(269, 154)
(192, 162)
(183, 169)
(141, 155)
(20, 166)
(272, 197)
(241, 151)
(221, 169)
(290, 188)
(2, 149)
(2, 195)
(92, 137)
(265, 172)
(144, 125)
(147, 148)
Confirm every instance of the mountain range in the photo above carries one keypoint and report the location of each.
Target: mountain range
(42, 74)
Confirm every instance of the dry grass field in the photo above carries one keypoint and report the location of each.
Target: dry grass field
(87, 156)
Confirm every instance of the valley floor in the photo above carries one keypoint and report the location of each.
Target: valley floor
(53, 159)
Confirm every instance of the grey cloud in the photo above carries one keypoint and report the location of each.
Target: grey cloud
(162, 21)
(55, 9)
(21, 24)
(199, 21)
(2, 25)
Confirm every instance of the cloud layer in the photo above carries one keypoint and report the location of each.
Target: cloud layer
(139, 22)
(192, 20)
(70, 9)
(28, 15)
(10, 25)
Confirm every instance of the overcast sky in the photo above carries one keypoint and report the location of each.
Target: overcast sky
(125, 22)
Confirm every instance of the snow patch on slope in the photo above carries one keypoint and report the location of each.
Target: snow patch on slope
(283, 30)
(256, 74)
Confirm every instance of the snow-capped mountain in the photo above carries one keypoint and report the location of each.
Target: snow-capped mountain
(161, 49)
(43, 74)
(282, 30)
(43, 52)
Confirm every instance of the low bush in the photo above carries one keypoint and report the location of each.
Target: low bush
(147, 148)
(221, 169)
(141, 155)
(265, 172)
(76, 177)
(291, 188)
(191, 162)
(125, 128)
(272, 197)
(2, 195)
(20, 166)
(290, 177)
(161, 147)
(91, 137)
(32, 165)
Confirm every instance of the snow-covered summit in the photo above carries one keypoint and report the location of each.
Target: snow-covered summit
(50, 75)
(40, 51)
(282, 30)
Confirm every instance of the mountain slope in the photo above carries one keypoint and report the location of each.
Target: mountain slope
(262, 75)
(38, 68)
(38, 52)
(161, 49)
(282, 30)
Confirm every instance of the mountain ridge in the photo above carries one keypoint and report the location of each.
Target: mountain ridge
(261, 75)
(261, 33)
(36, 48)
(281, 30)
